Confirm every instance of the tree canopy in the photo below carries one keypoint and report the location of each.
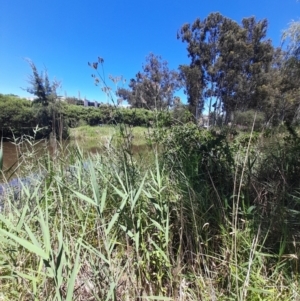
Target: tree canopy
(153, 87)
(233, 61)
(41, 87)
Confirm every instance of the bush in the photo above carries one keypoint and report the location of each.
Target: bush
(275, 189)
(16, 116)
(204, 156)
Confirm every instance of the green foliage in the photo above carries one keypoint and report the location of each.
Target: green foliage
(107, 228)
(19, 116)
(16, 115)
(41, 87)
(233, 62)
(154, 87)
(193, 80)
(181, 114)
(47, 109)
(277, 178)
(109, 115)
(206, 219)
(244, 120)
(202, 156)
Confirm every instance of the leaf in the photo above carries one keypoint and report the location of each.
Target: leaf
(31, 236)
(138, 193)
(103, 199)
(71, 282)
(22, 218)
(84, 197)
(26, 276)
(44, 226)
(116, 216)
(26, 244)
(163, 254)
(95, 186)
(261, 291)
(96, 252)
(7, 222)
(157, 225)
(130, 234)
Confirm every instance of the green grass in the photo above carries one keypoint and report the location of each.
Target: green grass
(96, 136)
(117, 229)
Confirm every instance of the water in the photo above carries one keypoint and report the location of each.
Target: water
(12, 154)
(15, 156)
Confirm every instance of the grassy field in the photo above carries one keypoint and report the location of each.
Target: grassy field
(202, 220)
(97, 136)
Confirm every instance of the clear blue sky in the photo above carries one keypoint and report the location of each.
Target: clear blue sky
(64, 35)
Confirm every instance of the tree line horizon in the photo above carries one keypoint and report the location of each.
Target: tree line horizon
(233, 68)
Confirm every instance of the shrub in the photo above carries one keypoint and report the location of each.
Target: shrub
(275, 189)
(16, 116)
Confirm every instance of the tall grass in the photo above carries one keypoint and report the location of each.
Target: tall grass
(97, 228)
(198, 222)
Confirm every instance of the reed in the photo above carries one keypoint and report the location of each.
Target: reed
(205, 219)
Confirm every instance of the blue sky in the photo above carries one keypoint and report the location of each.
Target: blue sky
(64, 35)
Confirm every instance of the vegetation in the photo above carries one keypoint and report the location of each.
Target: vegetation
(208, 214)
(205, 218)
(92, 136)
(20, 116)
(154, 87)
(47, 107)
(230, 62)
(16, 115)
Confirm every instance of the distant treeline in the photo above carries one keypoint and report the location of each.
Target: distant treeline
(19, 116)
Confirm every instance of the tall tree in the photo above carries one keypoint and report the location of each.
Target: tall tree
(290, 72)
(275, 105)
(291, 35)
(154, 87)
(233, 59)
(192, 79)
(246, 60)
(202, 38)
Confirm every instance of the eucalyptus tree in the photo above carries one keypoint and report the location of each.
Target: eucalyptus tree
(192, 79)
(153, 87)
(275, 104)
(202, 75)
(291, 35)
(291, 68)
(246, 57)
(233, 60)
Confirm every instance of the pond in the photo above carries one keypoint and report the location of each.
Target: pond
(16, 154)
(13, 154)
(20, 165)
